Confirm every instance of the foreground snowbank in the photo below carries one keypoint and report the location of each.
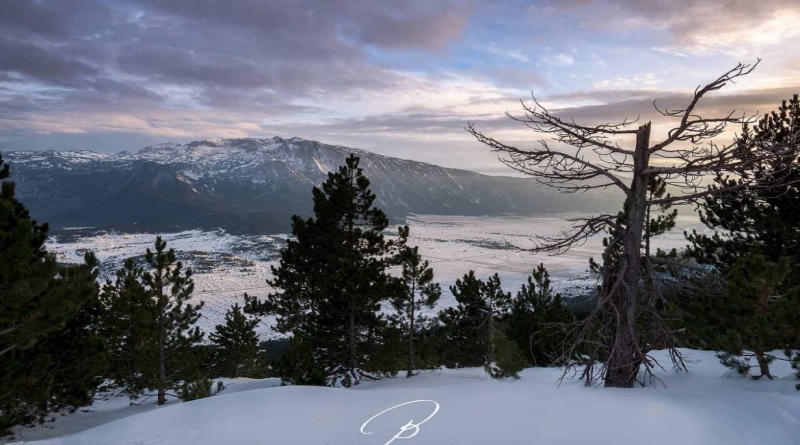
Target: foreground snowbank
(706, 406)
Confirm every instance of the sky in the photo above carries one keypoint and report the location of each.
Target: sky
(400, 78)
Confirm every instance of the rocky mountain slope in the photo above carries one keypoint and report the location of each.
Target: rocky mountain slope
(252, 184)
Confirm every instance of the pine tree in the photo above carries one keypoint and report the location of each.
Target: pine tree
(498, 304)
(129, 326)
(50, 354)
(32, 298)
(237, 353)
(761, 219)
(537, 320)
(420, 292)
(476, 323)
(747, 320)
(297, 364)
(171, 287)
(756, 219)
(509, 358)
(466, 341)
(332, 277)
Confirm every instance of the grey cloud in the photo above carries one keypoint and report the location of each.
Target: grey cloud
(42, 65)
(410, 24)
(640, 103)
(243, 55)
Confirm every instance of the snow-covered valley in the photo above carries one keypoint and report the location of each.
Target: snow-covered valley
(226, 266)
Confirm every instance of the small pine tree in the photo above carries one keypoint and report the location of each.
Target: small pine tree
(420, 292)
(466, 341)
(171, 287)
(537, 320)
(498, 304)
(129, 326)
(509, 358)
(298, 366)
(237, 353)
(747, 320)
(474, 326)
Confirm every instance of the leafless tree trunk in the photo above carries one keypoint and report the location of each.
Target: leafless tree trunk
(686, 156)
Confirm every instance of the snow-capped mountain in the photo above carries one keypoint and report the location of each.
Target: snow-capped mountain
(246, 184)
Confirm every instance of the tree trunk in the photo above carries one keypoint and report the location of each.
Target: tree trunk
(411, 334)
(763, 365)
(162, 355)
(625, 355)
(162, 368)
(490, 320)
(352, 335)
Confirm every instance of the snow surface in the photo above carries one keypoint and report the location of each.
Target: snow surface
(454, 245)
(707, 406)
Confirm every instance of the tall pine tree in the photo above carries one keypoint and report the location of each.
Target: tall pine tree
(332, 277)
(419, 292)
(50, 353)
(757, 219)
(760, 220)
(171, 287)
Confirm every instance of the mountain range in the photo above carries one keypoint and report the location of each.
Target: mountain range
(253, 185)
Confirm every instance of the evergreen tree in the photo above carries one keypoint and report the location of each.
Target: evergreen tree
(476, 323)
(537, 321)
(498, 304)
(129, 326)
(466, 341)
(237, 353)
(50, 354)
(34, 298)
(509, 358)
(420, 292)
(298, 365)
(171, 288)
(332, 277)
(747, 320)
(757, 219)
(760, 220)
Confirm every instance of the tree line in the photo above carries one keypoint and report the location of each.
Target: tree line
(356, 301)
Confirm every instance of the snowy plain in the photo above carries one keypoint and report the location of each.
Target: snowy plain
(706, 406)
(226, 266)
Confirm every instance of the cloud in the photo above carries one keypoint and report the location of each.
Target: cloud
(394, 77)
(693, 26)
(517, 55)
(629, 81)
(561, 60)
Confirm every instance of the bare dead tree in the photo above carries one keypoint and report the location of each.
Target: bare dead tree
(614, 331)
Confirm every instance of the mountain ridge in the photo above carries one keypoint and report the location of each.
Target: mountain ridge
(252, 184)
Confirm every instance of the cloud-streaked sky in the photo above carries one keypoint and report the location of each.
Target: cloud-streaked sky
(396, 77)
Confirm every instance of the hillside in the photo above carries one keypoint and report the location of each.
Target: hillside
(706, 406)
(253, 185)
